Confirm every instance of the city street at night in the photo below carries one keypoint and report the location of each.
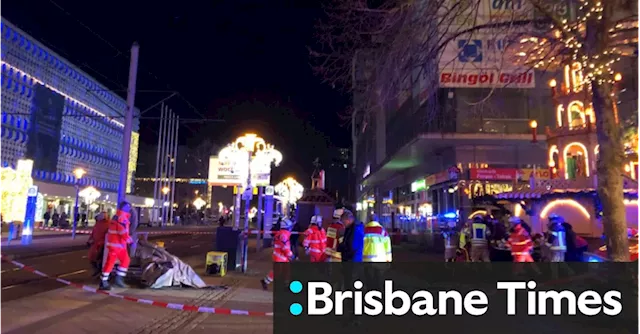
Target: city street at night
(160, 162)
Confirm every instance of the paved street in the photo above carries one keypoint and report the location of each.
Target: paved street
(51, 308)
(74, 265)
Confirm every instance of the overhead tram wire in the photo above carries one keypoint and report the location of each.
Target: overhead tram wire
(126, 55)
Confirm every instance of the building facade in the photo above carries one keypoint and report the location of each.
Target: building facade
(62, 119)
(432, 152)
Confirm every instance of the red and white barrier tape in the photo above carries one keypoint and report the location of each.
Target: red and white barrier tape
(81, 231)
(173, 306)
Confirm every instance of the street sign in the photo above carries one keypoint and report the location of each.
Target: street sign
(269, 190)
(33, 191)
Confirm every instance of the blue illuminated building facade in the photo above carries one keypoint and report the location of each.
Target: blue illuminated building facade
(60, 117)
(82, 118)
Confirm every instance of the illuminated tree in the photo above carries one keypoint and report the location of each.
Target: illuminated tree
(401, 40)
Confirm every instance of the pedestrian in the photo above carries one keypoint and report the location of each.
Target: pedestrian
(295, 236)
(376, 243)
(117, 240)
(315, 239)
(55, 219)
(96, 242)
(570, 235)
(281, 250)
(46, 218)
(353, 242)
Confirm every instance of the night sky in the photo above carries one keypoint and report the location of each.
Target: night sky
(244, 62)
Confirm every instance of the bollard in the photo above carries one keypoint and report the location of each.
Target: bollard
(12, 232)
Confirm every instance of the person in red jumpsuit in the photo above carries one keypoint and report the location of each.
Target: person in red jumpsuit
(117, 240)
(335, 235)
(281, 249)
(315, 239)
(96, 242)
(520, 242)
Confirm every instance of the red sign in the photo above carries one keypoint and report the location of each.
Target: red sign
(506, 174)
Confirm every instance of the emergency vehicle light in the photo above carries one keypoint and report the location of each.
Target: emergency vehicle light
(450, 215)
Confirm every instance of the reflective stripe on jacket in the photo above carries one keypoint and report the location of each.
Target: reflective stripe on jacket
(558, 241)
(282, 247)
(479, 235)
(118, 232)
(315, 239)
(334, 236)
(377, 244)
(520, 242)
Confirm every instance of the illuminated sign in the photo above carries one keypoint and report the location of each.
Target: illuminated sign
(540, 174)
(477, 189)
(505, 174)
(197, 181)
(418, 185)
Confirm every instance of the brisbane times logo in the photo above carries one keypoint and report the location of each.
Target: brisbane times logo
(518, 297)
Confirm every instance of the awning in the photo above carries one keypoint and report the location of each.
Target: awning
(545, 193)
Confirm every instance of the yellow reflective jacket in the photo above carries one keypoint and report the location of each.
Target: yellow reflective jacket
(377, 244)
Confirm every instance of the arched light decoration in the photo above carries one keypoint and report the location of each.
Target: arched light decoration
(290, 189)
(559, 112)
(89, 194)
(586, 157)
(579, 107)
(564, 202)
(477, 213)
(553, 150)
(252, 148)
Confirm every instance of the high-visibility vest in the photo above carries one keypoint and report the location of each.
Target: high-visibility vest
(282, 247)
(335, 234)
(479, 234)
(559, 241)
(118, 232)
(377, 244)
(520, 242)
(463, 237)
(315, 240)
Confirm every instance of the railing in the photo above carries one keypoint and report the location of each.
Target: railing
(567, 130)
(495, 125)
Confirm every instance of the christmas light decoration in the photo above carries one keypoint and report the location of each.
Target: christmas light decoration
(564, 202)
(566, 42)
(586, 156)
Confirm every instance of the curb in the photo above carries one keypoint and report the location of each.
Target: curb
(65, 249)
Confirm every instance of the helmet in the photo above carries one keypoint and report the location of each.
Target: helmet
(337, 213)
(286, 224)
(316, 220)
(556, 219)
(478, 219)
(101, 216)
(515, 220)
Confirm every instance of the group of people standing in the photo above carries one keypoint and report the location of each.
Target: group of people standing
(479, 236)
(345, 240)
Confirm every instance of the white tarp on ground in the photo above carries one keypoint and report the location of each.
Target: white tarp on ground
(160, 269)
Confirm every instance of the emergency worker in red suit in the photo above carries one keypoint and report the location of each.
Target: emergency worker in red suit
(96, 242)
(335, 234)
(520, 242)
(117, 240)
(315, 239)
(281, 249)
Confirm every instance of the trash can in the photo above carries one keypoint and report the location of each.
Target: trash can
(228, 241)
(216, 263)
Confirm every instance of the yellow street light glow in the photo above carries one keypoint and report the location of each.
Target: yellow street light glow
(165, 190)
(79, 173)
(533, 124)
(617, 77)
(553, 83)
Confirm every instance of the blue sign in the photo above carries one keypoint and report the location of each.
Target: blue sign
(30, 215)
(44, 134)
(197, 181)
(470, 51)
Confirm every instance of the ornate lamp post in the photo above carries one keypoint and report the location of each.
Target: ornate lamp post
(78, 173)
(257, 155)
(291, 190)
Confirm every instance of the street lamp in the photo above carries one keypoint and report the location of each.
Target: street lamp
(165, 191)
(257, 154)
(78, 173)
(290, 189)
(534, 131)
